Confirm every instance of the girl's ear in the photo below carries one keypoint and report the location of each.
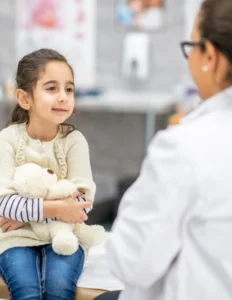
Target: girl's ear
(23, 99)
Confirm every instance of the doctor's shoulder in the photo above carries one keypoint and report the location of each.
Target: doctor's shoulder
(179, 138)
(192, 133)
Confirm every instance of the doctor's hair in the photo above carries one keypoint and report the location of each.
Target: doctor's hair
(29, 70)
(216, 27)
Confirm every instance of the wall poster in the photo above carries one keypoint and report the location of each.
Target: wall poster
(66, 26)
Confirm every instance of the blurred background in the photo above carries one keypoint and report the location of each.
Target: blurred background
(130, 75)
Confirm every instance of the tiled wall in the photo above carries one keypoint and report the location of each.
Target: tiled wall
(116, 140)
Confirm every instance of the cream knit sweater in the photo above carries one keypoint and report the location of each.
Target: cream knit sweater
(67, 156)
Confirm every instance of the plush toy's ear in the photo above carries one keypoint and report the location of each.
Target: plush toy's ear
(50, 176)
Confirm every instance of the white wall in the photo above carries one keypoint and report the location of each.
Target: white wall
(191, 10)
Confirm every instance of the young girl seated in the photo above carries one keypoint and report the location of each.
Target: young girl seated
(38, 134)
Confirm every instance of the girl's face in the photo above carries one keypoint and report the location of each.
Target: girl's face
(53, 95)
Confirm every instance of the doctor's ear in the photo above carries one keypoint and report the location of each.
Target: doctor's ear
(23, 98)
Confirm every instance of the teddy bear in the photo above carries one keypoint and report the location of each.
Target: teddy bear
(33, 181)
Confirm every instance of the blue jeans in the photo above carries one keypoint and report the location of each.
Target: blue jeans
(38, 273)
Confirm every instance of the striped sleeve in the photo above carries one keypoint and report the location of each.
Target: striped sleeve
(21, 209)
(26, 209)
(82, 199)
(48, 220)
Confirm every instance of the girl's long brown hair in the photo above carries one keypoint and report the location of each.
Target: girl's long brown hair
(28, 71)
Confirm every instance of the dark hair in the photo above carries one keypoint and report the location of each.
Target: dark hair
(216, 26)
(28, 71)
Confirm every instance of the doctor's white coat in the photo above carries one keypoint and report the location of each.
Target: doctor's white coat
(172, 239)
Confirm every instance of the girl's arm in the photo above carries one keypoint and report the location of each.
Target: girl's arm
(12, 205)
(75, 213)
(26, 209)
(21, 209)
(78, 165)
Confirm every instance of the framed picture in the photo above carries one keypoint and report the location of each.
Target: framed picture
(141, 15)
(66, 26)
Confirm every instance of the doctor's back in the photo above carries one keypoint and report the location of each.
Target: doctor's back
(172, 239)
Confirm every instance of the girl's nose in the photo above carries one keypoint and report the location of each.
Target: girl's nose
(62, 100)
(62, 97)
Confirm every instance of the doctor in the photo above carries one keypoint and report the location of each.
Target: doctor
(172, 239)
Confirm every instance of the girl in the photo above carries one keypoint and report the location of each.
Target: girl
(172, 237)
(38, 134)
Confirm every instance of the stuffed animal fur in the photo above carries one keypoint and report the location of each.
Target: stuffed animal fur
(32, 181)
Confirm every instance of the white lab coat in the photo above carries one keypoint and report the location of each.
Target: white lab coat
(172, 238)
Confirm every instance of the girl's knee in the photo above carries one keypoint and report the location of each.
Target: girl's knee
(24, 289)
(60, 274)
(19, 268)
(59, 289)
(59, 285)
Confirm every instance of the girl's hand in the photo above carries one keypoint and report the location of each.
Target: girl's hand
(72, 211)
(9, 225)
(79, 193)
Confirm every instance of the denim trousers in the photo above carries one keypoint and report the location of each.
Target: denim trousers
(38, 273)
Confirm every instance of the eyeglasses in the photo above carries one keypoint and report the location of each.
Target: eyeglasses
(187, 47)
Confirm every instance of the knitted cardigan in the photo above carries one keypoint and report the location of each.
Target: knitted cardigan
(68, 158)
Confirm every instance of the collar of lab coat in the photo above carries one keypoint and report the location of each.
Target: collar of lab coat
(215, 102)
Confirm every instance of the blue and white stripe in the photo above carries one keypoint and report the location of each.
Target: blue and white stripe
(21, 209)
(26, 209)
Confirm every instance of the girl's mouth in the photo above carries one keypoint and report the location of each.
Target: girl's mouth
(60, 109)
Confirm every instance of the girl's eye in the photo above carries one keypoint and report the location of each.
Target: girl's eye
(51, 88)
(70, 90)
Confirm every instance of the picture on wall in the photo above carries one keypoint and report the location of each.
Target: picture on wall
(66, 26)
(142, 15)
